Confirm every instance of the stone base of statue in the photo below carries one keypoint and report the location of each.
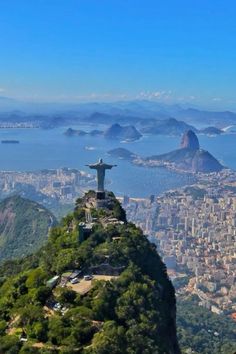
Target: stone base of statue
(101, 204)
(100, 195)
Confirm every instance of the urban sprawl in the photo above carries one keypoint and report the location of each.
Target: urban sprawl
(193, 227)
(195, 232)
(50, 187)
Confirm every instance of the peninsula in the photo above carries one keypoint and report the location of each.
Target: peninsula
(188, 158)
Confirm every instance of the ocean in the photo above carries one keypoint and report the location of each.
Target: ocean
(49, 149)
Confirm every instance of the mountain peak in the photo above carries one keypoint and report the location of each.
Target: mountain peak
(103, 283)
(116, 131)
(190, 141)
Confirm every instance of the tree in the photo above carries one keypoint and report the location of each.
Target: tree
(31, 314)
(9, 345)
(57, 330)
(110, 340)
(39, 331)
(81, 332)
(28, 349)
(36, 278)
(65, 260)
(3, 327)
(67, 295)
(42, 294)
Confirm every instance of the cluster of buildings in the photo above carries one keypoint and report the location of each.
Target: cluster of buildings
(61, 185)
(14, 125)
(195, 231)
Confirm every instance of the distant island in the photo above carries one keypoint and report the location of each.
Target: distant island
(126, 133)
(74, 132)
(211, 131)
(115, 131)
(10, 141)
(188, 158)
(122, 153)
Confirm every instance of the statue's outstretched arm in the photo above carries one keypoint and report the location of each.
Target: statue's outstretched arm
(92, 166)
(108, 167)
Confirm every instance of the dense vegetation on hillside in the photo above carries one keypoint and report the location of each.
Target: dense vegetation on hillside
(203, 331)
(132, 313)
(24, 227)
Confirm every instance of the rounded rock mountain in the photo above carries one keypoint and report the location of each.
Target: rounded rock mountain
(190, 141)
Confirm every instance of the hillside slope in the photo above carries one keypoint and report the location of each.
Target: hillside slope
(128, 306)
(24, 227)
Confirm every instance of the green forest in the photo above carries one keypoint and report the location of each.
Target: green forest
(134, 312)
(24, 227)
(203, 331)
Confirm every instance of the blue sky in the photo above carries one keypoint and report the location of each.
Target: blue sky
(73, 50)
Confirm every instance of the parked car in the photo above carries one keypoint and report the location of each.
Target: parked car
(88, 277)
(57, 306)
(74, 281)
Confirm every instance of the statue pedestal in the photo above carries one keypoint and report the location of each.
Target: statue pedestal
(100, 195)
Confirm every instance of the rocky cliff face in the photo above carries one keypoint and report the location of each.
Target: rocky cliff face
(190, 141)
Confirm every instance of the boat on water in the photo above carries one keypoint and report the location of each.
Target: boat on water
(10, 141)
(89, 148)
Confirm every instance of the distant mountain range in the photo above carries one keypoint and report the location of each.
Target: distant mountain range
(128, 112)
(169, 126)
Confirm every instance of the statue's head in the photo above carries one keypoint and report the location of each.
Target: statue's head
(100, 161)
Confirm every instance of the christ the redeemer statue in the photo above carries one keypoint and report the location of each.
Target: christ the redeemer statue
(101, 168)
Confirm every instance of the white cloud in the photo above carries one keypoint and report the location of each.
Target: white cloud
(162, 95)
(102, 96)
(2, 90)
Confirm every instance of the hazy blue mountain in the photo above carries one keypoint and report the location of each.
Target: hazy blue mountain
(169, 126)
(116, 131)
(211, 131)
(195, 116)
(117, 112)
